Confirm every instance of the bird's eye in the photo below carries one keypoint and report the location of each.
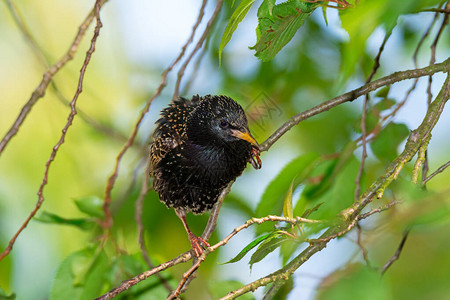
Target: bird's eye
(223, 124)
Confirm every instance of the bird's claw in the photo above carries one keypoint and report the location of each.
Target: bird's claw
(257, 164)
(196, 242)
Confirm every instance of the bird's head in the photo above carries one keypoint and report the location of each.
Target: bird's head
(220, 121)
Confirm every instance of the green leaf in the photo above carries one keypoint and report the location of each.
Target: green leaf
(372, 119)
(315, 191)
(247, 248)
(83, 224)
(268, 246)
(383, 92)
(324, 11)
(91, 205)
(4, 296)
(340, 195)
(236, 18)
(275, 30)
(287, 206)
(384, 104)
(218, 289)
(307, 212)
(385, 145)
(361, 20)
(272, 199)
(81, 275)
(266, 9)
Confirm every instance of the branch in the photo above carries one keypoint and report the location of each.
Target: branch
(352, 95)
(126, 284)
(72, 114)
(39, 92)
(350, 216)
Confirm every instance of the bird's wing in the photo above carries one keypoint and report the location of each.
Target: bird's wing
(171, 129)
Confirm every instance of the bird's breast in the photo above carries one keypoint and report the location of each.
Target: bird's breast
(217, 165)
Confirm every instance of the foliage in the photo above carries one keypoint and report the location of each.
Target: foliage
(331, 170)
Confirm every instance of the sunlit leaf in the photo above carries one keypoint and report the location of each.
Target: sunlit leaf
(287, 206)
(273, 33)
(238, 15)
(91, 205)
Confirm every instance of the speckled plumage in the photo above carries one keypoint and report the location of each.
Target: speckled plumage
(198, 147)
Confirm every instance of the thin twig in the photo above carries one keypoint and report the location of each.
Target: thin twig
(197, 47)
(438, 10)
(375, 67)
(378, 210)
(44, 61)
(397, 253)
(439, 170)
(72, 114)
(138, 218)
(39, 92)
(360, 245)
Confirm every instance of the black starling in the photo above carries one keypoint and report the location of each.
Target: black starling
(199, 146)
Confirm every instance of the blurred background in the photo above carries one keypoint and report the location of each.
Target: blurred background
(139, 39)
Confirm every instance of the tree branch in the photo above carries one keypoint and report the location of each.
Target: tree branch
(350, 216)
(352, 95)
(126, 284)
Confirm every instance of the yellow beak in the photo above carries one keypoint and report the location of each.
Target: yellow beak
(246, 136)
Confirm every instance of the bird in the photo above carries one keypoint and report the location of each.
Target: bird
(198, 147)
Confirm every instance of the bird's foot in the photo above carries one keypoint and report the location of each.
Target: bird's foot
(257, 164)
(196, 243)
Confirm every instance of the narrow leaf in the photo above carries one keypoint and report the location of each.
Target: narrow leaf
(236, 18)
(247, 248)
(267, 247)
(287, 207)
(46, 217)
